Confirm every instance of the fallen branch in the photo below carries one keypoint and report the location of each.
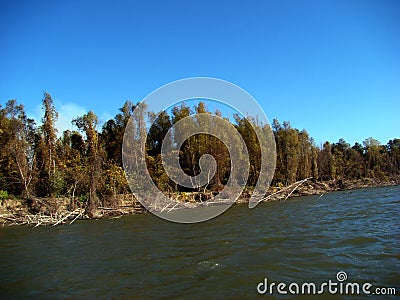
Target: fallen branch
(173, 207)
(8, 219)
(169, 203)
(107, 208)
(63, 219)
(77, 216)
(300, 183)
(296, 185)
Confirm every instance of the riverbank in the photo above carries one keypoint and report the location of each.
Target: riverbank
(309, 187)
(56, 211)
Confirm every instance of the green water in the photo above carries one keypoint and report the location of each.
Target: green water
(307, 239)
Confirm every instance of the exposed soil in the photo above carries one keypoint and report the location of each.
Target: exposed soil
(56, 211)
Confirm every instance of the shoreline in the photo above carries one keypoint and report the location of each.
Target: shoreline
(57, 211)
(308, 188)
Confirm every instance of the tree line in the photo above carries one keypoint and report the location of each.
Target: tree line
(86, 164)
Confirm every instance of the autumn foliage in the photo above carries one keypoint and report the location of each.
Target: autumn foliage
(86, 164)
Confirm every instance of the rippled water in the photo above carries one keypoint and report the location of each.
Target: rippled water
(300, 240)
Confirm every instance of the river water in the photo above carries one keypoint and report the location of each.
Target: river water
(306, 239)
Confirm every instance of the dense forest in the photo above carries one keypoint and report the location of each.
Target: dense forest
(86, 165)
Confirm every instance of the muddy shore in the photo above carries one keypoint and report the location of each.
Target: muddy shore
(57, 211)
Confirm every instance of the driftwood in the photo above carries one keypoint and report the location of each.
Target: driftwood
(299, 183)
(173, 207)
(121, 210)
(166, 206)
(64, 218)
(77, 216)
(40, 219)
(282, 192)
(60, 214)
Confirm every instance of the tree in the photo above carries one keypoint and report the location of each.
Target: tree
(88, 165)
(112, 183)
(73, 164)
(288, 151)
(372, 149)
(17, 148)
(305, 155)
(88, 124)
(113, 132)
(249, 136)
(314, 162)
(354, 162)
(326, 164)
(339, 150)
(156, 137)
(393, 147)
(157, 133)
(47, 156)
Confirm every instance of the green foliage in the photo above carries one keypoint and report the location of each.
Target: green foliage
(87, 164)
(17, 152)
(113, 181)
(83, 198)
(47, 160)
(3, 195)
(88, 124)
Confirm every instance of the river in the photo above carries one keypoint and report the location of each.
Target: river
(305, 239)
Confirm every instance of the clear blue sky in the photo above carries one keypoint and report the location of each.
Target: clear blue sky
(331, 67)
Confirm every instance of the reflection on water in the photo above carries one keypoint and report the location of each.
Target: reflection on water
(302, 239)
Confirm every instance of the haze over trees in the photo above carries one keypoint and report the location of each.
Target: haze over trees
(86, 165)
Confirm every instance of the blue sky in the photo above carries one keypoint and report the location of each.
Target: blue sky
(331, 67)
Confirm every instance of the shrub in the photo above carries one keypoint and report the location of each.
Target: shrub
(3, 195)
(83, 198)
